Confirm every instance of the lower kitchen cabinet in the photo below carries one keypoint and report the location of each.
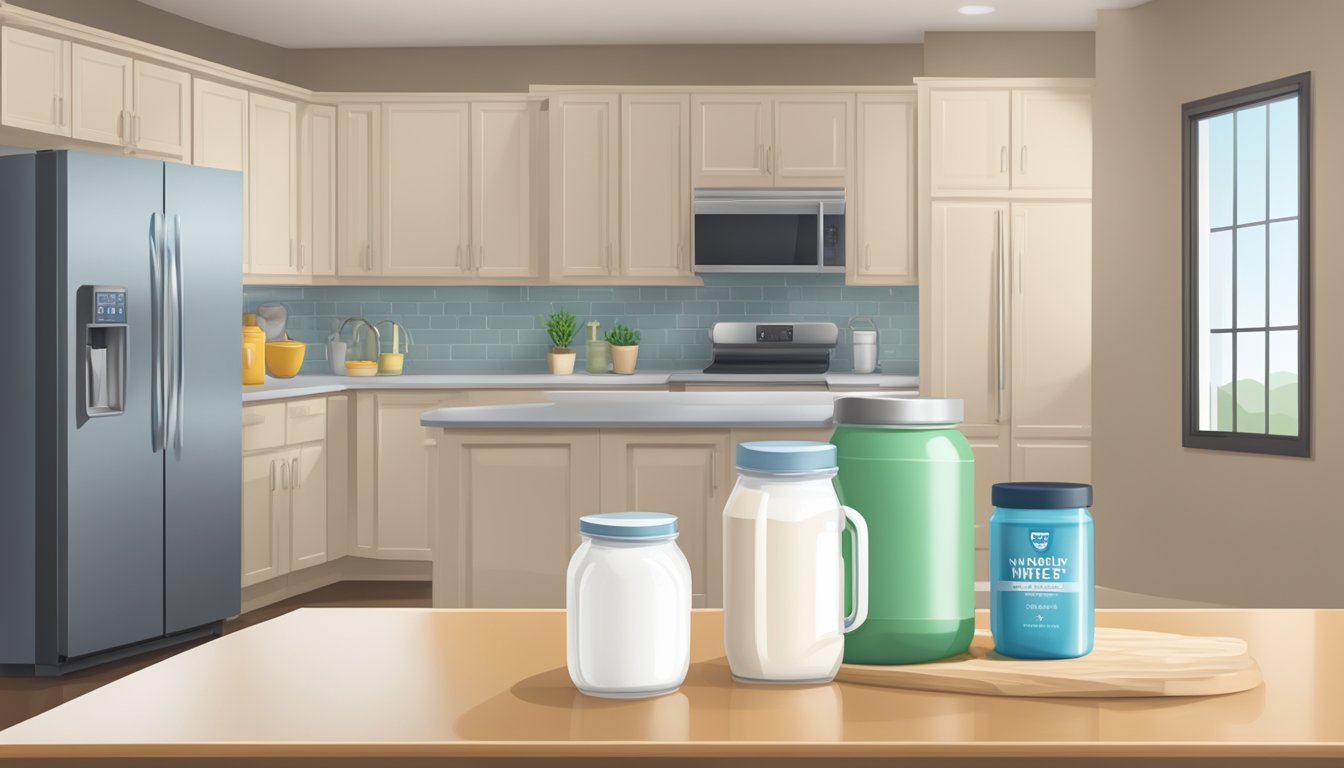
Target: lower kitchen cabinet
(284, 513)
(264, 502)
(308, 506)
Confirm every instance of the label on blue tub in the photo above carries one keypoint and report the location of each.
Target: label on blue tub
(1041, 605)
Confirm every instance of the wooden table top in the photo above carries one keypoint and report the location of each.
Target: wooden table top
(405, 683)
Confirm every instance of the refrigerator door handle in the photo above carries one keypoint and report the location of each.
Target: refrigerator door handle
(157, 412)
(180, 334)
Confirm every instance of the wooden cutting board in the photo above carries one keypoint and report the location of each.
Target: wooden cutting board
(1123, 663)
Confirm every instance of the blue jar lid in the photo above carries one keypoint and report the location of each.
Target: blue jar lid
(629, 525)
(1041, 495)
(785, 456)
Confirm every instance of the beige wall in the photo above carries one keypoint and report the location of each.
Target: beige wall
(1009, 54)
(1223, 527)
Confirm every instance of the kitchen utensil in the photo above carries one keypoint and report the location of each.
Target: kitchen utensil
(274, 320)
(628, 606)
(254, 355)
(1124, 663)
(864, 342)
(336, 356)
(361, 368)
(390, 362)
(1040, 570)
(596, 352)
(910, 474)
(783, 586)
(284, 358)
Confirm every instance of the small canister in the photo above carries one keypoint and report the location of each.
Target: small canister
(628, 606)
(1041, 576)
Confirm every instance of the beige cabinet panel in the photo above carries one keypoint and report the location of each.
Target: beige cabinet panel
(730, 140)
(993, 462)
(883, 246)
(272, 186)
(34, 82)
(510, 515)
(1052, 316)
(1052, 140)
(584, 184)
(655, 185)
(812, 138)
(501, 191)
(683, 473)
(1066, 461)
(426, 192)
(969, 139)
(317, 190)
(101, 95)
(358, 157)
(970, 344)
(161, 123)
(405, 476)
(265, 507)
(308, 505)
(218, 125)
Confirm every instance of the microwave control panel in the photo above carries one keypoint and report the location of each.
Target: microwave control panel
(774, 333)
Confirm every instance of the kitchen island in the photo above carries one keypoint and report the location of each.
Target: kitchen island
(391, 686)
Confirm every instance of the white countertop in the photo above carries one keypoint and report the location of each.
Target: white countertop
(305, 385)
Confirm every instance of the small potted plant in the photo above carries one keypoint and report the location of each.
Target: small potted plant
(561, 327)
(624, 348)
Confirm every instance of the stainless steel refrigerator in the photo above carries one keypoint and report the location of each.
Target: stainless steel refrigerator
(120, 455)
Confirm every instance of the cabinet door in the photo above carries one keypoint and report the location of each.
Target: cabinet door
(218, 126)
(683, 473)
(883, 247)
(308, 506)
(101, 101)
(969, 140)
(655, 185)
(264, 502)
(404, 449)
(317, 190)
(812, 138)
(501, 190)
(272, 186)
(34, 82)
(730, 138)
(993, 462)
(1064, 461)
(1052, 141)
(510, 515)
(358, 156)
(426, 190)
(584, 157)
(162, 120)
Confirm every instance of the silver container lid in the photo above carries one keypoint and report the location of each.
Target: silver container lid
(894, 411)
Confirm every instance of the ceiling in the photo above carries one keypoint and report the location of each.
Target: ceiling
(407, 23)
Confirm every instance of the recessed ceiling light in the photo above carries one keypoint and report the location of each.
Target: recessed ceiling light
(975, 10)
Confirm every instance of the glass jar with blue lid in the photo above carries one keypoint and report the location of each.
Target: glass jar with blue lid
(1041, 574)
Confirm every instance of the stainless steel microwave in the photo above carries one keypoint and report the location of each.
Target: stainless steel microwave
(769, 230)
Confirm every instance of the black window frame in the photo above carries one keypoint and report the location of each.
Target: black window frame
(1191, 113)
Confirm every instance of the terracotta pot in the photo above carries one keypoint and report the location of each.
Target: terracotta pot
(561, 361)
(623, 358)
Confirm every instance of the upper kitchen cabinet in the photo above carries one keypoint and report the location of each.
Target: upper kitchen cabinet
(882, 249)
(426, 193)
(272, 186)
(218, 125)
(969, 139)
(118, 100)
(34, 82)
(758, 140)
(502, 233)
(317, 190)
(161, 115)
(584, 185)
(358, 217)
(1052, 140)
(655, 185)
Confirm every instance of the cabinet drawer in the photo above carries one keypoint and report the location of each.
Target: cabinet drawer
(263, 426)
(306, 421)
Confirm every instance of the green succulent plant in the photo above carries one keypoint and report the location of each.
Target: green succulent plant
(623, 336)
(561, 327)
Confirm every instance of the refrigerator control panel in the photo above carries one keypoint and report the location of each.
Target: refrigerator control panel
(100, 324)
(109, 307)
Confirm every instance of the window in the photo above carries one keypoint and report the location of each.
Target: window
(1247, 258)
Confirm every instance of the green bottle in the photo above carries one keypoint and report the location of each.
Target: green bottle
(597, 359)
(911, 474)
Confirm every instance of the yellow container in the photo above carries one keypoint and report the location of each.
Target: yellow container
(390, 363)
(361, 368)
(254, 355)
(284, 358)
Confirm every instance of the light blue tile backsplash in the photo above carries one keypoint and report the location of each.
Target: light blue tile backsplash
(493, 329)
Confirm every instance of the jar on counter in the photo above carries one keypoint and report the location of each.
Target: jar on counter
(628, 606)
(1041, 576)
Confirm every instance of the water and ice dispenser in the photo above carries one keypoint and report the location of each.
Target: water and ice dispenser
(101, 322)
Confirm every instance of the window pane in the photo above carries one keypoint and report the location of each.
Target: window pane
(1283, 258)
(1283, 383)
(1216, 189)
(1218, 279)
(1283, 158)
(1216, 402)
(1251, 164)
(1251, 277)
(1251, 382)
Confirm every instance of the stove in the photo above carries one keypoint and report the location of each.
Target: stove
(772, 347)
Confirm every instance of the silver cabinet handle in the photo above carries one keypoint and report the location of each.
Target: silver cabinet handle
(465, 266)
(1022, 165)
(294, 472)
(1002, 313)
(60, 110)
(1003, 159)
(291, 253)
(284, 474)
(272, 474)
(135, 132)
(867, 255)
(769, 160)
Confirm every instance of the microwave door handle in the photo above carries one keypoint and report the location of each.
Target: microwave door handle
(821, 234)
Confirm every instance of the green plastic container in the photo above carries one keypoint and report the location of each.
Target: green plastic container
(911, 475)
